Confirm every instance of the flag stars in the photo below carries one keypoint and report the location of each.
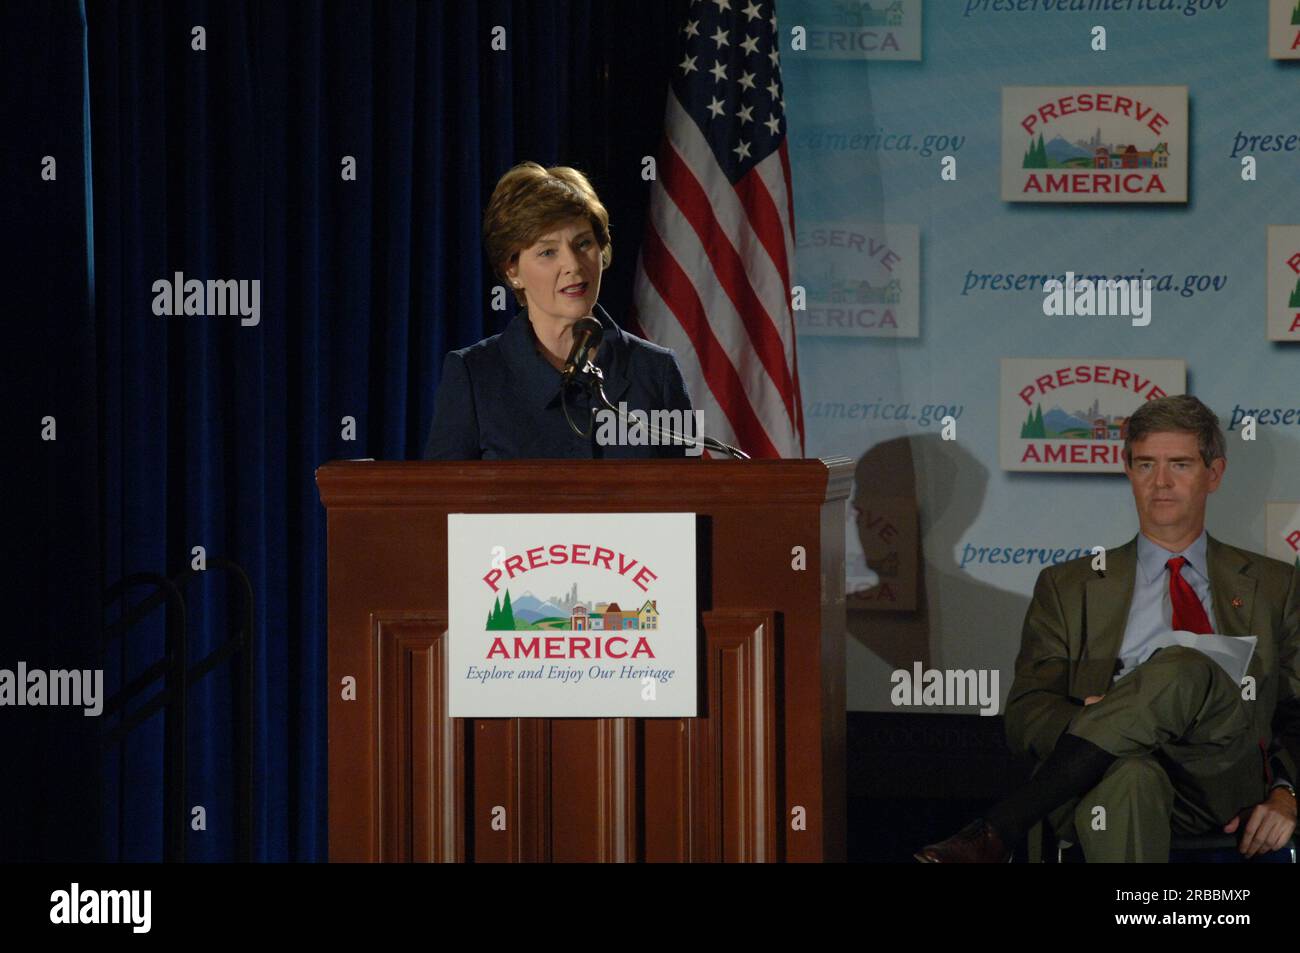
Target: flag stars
(729, 66)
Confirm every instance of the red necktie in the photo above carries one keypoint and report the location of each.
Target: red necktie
(1189, 614)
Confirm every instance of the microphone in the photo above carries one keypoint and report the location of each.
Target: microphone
(587, 333)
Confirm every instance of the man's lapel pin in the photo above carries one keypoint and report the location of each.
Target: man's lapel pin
(1236, 602)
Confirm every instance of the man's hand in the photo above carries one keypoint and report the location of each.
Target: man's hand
(1092, 700)
(1269, 824)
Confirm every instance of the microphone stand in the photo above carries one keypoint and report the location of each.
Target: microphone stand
(596, 385)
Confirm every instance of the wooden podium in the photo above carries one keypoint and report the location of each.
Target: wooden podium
(758, 776)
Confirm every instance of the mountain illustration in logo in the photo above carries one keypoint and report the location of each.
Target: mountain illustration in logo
(1060, 151)
(530, 609)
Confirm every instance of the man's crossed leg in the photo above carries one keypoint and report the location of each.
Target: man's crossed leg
(1169, 744)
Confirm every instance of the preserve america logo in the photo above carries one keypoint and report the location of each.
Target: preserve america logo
(861, 30)
(1284, 29)
(1094, 144)
(859, 280)
(1070, 413)
(564, 615)
(1284, 282)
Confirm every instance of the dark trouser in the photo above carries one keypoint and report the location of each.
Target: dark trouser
(1186, 759)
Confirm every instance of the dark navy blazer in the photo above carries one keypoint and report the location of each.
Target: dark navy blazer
(500, 400)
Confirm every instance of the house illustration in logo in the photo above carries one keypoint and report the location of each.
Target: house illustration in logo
(861, 13)
(1130, 157)
(1114, 429)
(648, 615)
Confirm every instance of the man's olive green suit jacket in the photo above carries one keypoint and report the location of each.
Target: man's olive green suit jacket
(1075, 626)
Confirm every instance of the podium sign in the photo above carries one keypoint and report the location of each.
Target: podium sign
(585, 615)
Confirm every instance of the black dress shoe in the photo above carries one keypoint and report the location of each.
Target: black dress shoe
(976, 843)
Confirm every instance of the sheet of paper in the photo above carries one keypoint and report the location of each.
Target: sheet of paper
(1231, 652)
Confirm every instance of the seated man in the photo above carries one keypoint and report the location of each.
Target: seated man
(1131, 743)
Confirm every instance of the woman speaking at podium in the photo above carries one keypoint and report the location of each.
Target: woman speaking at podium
(506, 397)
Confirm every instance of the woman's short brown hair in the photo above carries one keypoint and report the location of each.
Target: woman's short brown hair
(528, 202)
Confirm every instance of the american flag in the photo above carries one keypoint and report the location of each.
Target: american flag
(713, 279)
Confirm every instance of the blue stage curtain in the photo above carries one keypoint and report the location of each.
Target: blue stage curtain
(48, 372)
(186, 431)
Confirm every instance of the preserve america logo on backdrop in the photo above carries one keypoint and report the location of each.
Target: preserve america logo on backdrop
(859, 279)
(1284, 29)
(857, 29)
(1282, 522)
(1094, 144)
(1070, 414)
(1284, 282)
(884, 537)
(571, 615)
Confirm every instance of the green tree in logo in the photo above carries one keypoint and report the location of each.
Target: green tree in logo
(502, 617)
(1295, 297)
(1033, 427)
(1295, 14)
(1036, 157)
